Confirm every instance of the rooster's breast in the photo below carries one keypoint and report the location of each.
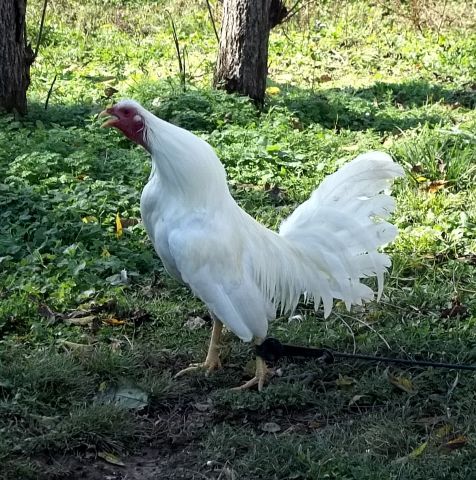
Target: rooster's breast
(157, 226)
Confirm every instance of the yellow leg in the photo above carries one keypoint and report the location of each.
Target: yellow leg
(212, 362)
(261, 374)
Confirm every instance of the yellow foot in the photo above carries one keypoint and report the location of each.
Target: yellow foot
(261, 374)
(210, 364)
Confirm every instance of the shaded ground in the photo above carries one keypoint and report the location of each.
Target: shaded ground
(291, 430)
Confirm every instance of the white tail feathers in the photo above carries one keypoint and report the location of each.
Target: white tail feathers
(331, 240)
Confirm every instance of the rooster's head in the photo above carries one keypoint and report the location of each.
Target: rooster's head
(128, 117)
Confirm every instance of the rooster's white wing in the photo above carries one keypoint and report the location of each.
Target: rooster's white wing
(212, 262)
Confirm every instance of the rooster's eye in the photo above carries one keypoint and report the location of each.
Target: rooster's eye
(126, 111)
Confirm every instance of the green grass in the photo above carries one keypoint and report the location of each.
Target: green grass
(349, 78)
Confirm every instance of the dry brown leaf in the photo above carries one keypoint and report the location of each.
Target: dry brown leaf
(455, 443)
(78, 313)
(114, 322)
(75, 346)
(402, 383)
(435, 185)
(129, 222)
(81, 321)
(111, 458)
(345, 381)
(457, 309)
(355, 399)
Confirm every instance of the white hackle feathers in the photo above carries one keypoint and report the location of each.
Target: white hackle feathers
(243, 271)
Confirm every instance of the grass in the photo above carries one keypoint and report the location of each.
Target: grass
(346, 79)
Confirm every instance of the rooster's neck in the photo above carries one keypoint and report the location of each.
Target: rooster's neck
(186, 167)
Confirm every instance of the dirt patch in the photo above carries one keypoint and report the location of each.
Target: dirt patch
(150, 464)
(171, 449)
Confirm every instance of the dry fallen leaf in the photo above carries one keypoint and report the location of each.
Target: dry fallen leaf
(435, 185)
(355, 399)
(402, 383)
(129, 222)
(113, 321)
(111, 458)
(75, 346)
(345, 381)
(457, 442)
(457, 309)
(81, 321)
(270, 427)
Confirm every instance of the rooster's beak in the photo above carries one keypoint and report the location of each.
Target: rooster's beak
(111, 121)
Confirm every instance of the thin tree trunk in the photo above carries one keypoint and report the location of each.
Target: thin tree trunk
(16, 56)
(242, 64)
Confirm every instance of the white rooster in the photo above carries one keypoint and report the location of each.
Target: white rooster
(239, 268)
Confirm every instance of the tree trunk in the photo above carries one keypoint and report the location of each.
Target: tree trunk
(16, 56)
(242, 64)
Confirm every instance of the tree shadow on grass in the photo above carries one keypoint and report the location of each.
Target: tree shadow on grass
(65, 115)
(381, 107)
